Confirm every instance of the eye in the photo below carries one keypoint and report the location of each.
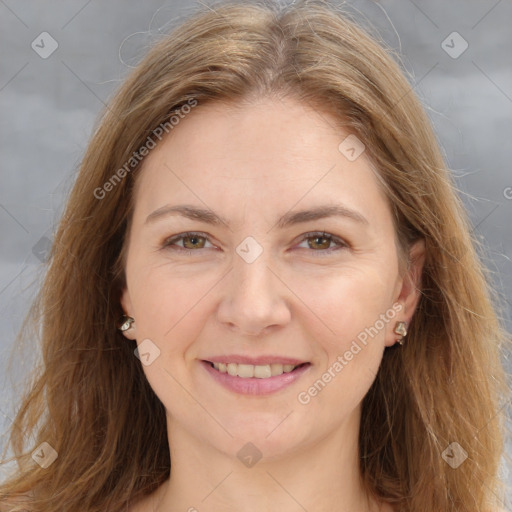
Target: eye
(191, 241)
(319, 241)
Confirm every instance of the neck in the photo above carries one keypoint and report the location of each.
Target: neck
(318, 477)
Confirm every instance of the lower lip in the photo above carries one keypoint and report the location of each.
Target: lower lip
(253, 385)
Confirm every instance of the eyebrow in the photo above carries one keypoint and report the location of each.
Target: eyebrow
(288, 219)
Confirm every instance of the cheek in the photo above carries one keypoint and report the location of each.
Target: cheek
(169, 306)
(357, 306)
(170, 311)
(348, 301)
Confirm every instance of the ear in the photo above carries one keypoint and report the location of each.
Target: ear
(126, 304)
(411, 284)
(409, 289)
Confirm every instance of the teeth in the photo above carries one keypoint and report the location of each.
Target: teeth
(246, 371)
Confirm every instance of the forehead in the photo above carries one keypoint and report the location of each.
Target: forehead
(267, 154)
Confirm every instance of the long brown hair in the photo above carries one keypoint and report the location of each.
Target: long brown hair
(90, 400)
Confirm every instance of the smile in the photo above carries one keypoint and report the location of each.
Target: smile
(257, 371)
(255, 379)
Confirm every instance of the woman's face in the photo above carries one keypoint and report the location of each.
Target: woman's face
(266, 286)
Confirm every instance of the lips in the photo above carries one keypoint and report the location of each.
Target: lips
(249, 379)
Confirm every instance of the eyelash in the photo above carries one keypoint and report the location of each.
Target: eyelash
(314, 234)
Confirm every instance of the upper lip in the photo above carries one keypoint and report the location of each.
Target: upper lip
(255, 361)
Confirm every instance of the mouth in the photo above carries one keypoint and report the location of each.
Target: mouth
(255, 380)
(249, 371)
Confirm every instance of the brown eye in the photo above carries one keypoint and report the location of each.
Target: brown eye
(321, 242)
(190, 241)
(194, 241)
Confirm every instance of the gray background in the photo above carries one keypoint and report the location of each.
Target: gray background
(49, 107)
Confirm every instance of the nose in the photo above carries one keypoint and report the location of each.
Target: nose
(254, 299)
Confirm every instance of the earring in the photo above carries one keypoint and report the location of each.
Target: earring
(401, 329)
(126, 323)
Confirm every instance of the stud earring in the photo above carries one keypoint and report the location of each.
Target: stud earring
(126, 323)
(401, 329)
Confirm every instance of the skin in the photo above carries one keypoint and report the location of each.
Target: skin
(251, 165)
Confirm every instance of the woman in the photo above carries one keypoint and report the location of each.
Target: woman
(263, 293)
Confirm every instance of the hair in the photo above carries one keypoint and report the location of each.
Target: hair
(89, 398)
